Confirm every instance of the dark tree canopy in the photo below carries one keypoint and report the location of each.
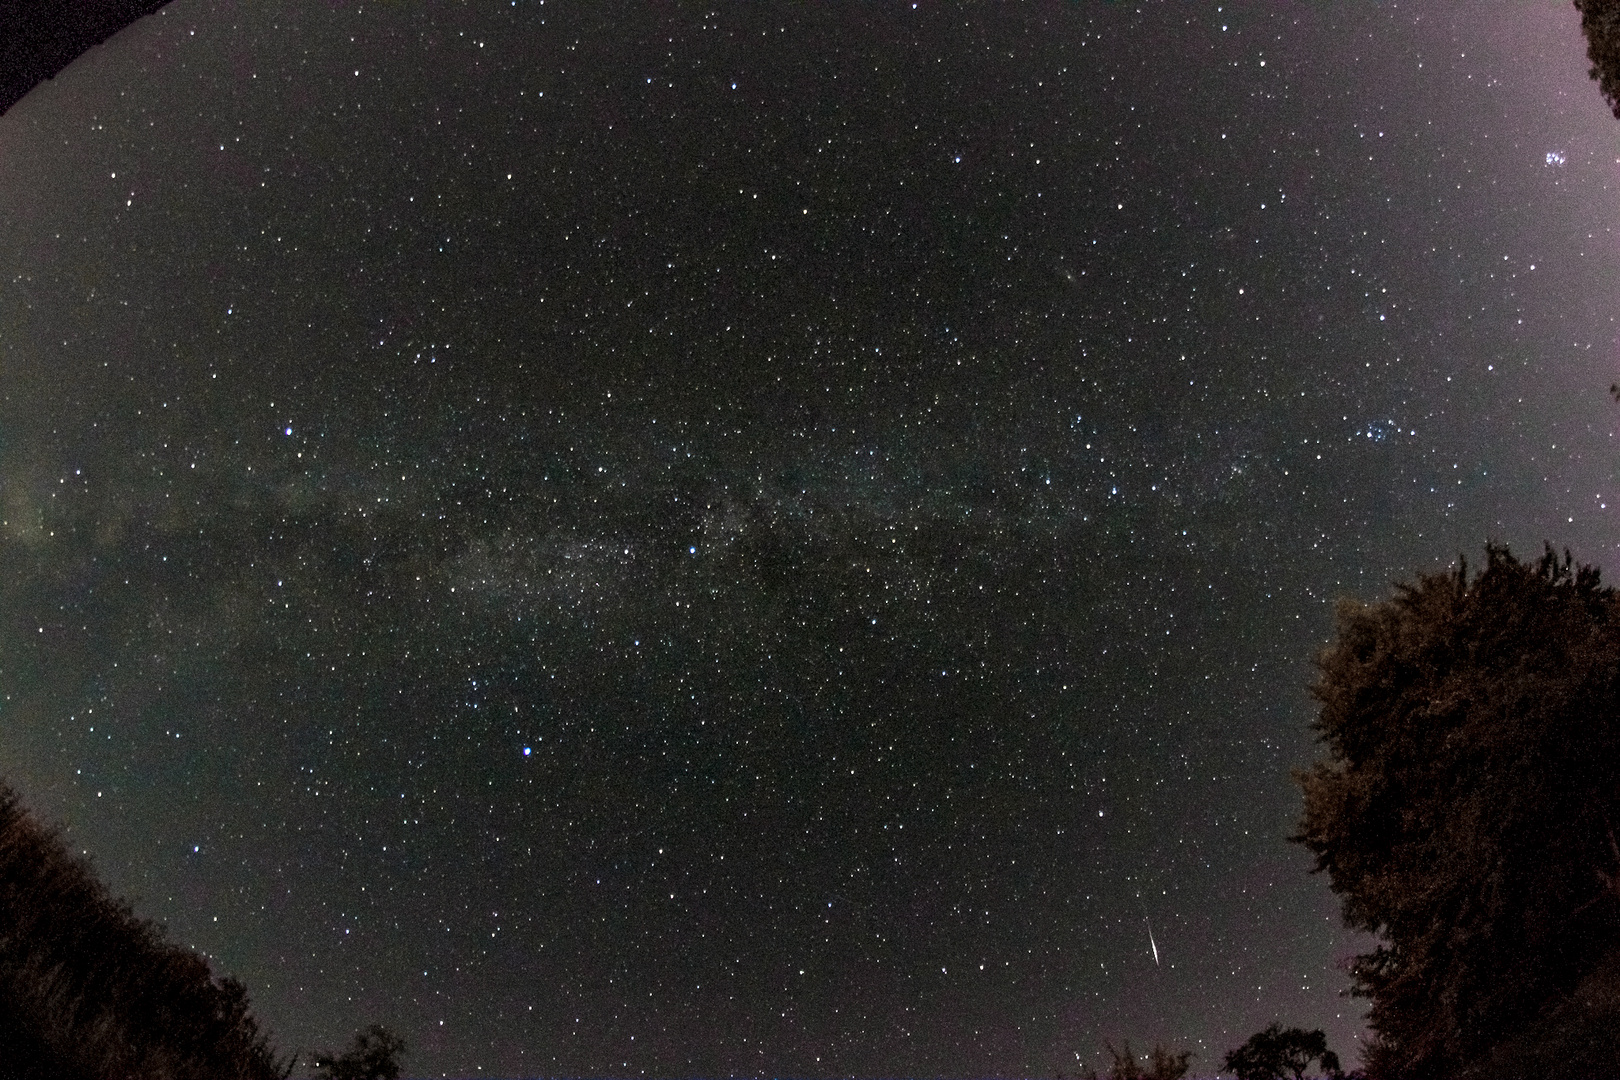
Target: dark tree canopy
(38, 38)
(1464, 812)
(1279, 1054)
(1600, 22)
(1162, 1064)
(88, 990)
(374, 1055)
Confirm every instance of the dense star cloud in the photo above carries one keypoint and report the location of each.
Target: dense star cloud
(620, 540)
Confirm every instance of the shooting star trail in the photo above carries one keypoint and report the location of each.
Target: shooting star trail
(1151, 943)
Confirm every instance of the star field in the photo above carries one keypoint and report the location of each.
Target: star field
(764, 539)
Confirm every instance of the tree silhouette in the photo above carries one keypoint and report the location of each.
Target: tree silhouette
(1600, 23)
(38, 38)
(373, 1056)
(1277, 1053)
(88, 990)
(1162, 1064)
(1464, 811)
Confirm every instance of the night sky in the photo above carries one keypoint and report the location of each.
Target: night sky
(627, 539)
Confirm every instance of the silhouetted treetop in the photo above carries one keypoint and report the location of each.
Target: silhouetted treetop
(38, 38)
(1282, 1054)
(1600, 23)
(1464, 813)
(374, 1055)
(89, 991)
(1162, 1064)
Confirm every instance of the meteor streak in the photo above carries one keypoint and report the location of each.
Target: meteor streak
(1154, 945)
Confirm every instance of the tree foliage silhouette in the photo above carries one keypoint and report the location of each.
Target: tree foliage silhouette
(1600, 23)
(1464, 811)
(1162, 1064)
(89, 991)
(1278, 1053)
(373, 1056)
